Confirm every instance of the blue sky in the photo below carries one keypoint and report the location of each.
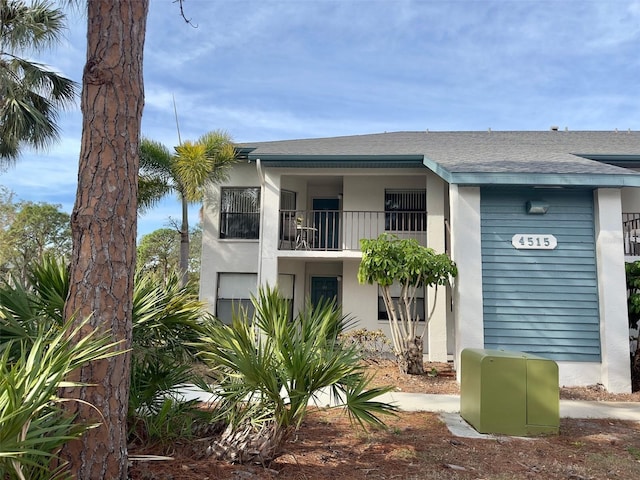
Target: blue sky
(283, 69)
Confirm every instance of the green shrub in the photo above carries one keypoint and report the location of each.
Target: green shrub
(270, 368)
(34, 425)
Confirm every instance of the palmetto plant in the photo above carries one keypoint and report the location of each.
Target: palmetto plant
(166, 318)
(30, 93)
(269, 368)
(34, 425)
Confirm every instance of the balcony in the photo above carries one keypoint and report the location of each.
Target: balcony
(631, 234)
(338, 230)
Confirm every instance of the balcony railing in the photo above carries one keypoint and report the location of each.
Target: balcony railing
(336, 230)
(631, 233)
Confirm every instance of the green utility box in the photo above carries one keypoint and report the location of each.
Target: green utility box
(509, 393)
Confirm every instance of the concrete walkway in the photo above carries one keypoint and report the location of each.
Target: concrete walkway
(421, 402)
(448, 406)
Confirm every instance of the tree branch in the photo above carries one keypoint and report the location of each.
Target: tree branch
(182, 14)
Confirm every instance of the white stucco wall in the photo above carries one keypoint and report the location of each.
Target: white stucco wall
(466, 252)
(630, 199)
(614, 339)
(220, 255)
(436, 298)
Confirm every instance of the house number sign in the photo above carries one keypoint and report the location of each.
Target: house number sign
(534, 241)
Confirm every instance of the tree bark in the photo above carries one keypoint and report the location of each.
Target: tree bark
(104, 227)
(410, 360)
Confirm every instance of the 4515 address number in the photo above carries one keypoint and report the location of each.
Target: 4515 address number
(534, 241)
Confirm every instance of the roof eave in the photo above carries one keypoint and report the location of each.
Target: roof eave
(337, 161)
(550, 179)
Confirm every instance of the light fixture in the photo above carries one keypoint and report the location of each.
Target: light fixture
(535, 207)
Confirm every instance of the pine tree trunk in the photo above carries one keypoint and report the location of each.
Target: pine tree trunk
(410, 360)
(104, 228)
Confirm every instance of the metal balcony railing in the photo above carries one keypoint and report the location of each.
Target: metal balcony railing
(336, 230)
(631, 233)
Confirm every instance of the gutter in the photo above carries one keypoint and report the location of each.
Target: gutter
(261, 234)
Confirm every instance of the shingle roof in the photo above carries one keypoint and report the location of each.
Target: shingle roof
(458, 154)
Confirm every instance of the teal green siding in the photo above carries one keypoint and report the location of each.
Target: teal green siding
(543, 302)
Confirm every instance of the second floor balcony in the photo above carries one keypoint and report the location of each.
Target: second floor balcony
(337, 230)
(631, 234)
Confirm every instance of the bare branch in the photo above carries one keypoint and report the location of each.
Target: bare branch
(175, 224)
(182, 14)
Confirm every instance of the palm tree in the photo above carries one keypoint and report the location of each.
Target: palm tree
(30, 93)
(188, 171)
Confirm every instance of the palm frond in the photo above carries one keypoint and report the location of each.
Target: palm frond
(34, 426)
(155, 179)
(155, 158)
(49, 280)
(33, 26)
(200, 164)
(32, 96)
(270, 368)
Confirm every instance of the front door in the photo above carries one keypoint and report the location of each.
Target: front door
(326, 220)
(323, 288)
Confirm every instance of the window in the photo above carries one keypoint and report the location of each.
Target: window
(287, 200)
(240, 213)
(395, 295)
(236, 289)
(405, 210)
(234, 292)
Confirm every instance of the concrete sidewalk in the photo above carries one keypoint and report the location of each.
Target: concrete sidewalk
(421, 402)
(424, 402)
(448, 406)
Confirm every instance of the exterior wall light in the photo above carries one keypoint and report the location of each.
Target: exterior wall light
(536, 207)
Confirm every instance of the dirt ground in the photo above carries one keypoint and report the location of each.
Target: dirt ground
(419, 446)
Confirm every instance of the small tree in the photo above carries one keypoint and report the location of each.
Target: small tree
(388, 260)
(159, 253)
(633, 305)
(37, 229)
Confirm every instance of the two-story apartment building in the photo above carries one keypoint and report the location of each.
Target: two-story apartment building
(534, 221)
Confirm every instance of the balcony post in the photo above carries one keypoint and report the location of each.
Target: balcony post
(614, 330)
(466, 251)
(269, 229)
(437, 336)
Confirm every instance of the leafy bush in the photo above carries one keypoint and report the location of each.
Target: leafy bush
(633, 307)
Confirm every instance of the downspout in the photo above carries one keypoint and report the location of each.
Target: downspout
(261, 233)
